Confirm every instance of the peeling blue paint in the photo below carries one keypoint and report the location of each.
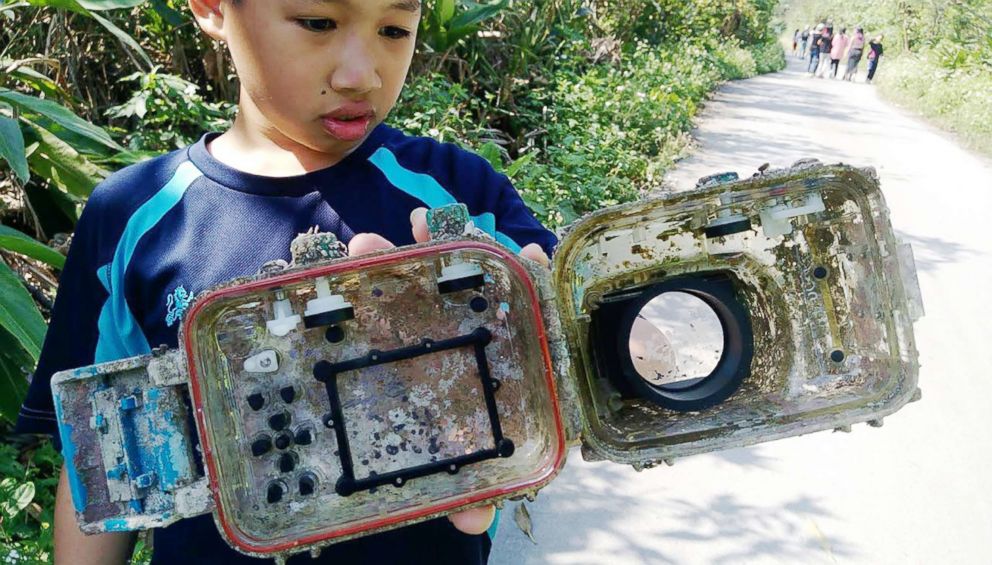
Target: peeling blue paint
(76, 486)
(116, 525)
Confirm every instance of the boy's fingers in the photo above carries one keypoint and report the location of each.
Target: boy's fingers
(535, 253)
(474, 521)
(367, 243)
(418, 219)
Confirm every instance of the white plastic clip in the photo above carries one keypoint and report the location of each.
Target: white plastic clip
(285, 321)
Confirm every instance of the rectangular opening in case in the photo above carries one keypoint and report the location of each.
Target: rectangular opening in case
(423, 446)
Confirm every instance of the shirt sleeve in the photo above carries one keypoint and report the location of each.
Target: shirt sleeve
(73, 331)
(515, 221)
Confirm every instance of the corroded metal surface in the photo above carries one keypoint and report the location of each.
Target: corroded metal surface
(832, 321)
(128, 444)
(374, 403)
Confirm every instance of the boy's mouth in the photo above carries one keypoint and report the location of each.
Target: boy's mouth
(349, 122)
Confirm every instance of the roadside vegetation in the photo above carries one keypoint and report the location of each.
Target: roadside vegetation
(583, 103)
(938, 56)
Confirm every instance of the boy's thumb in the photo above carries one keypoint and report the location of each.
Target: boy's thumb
(418, 221)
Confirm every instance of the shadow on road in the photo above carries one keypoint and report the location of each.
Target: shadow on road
(585, 519)
(933, 252)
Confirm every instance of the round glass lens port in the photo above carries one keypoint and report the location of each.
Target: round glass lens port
(676, 340)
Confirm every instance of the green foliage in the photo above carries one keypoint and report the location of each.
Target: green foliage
(167, 112)
(446, 22)
(27, 501)
(960, 101)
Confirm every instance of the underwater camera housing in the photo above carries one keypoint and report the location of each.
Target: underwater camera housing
(340, 396)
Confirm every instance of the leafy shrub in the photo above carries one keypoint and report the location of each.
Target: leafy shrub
(167, 112)
(960, 101)
(27, 502)
(769, 56)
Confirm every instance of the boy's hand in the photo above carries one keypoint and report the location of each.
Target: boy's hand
(418, 219)
(476, 520)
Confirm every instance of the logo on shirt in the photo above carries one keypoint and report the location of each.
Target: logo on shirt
(177, 303)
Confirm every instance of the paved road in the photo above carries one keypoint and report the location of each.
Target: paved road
(917, 490)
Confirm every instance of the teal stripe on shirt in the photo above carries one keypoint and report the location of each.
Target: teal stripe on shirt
(426, 189)
(120, 333)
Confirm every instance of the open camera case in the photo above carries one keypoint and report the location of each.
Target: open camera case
(340, 397)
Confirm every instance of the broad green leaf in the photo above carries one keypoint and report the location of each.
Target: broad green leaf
(13, 240)
(59, 115)
(124, 38)
(15, 497)
(445, 10)
(491, 152)
(18, 313)
(57, 161)
(99, 5)
(477, 15)
(22, 71)
(12, 148)
(171, 16)
(519, 164)
(15, 365)
(82, 6)
(13, 5)
(72, 5)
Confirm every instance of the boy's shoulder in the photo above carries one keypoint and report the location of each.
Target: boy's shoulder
(428, 149)
(127, 189)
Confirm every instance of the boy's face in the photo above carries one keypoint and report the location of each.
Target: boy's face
(318, 73)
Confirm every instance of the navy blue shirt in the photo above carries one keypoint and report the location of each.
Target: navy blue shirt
(155, 234)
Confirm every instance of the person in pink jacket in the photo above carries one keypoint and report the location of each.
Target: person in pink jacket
(837, 50)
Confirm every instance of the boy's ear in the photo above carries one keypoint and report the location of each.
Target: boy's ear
(209, 15)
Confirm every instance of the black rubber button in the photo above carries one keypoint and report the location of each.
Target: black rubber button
(288, 394)
(274, 493)
(304, 437)
(287, 463)
(283, 440)
(261, 446)
(279, 421)
(256, 401)
(307, 485)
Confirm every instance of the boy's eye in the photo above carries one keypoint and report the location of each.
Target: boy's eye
(393, 32)
(317, 24)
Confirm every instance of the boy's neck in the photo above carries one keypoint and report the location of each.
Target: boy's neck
(252, 146)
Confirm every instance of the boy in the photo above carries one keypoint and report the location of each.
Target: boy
(308, 148)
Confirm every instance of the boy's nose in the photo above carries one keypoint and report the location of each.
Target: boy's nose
(356, 70)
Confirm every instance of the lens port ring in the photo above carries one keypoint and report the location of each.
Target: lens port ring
(734, 365)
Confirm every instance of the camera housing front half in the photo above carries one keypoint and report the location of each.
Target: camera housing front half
(335, 397)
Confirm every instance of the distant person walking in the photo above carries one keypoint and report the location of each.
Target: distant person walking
(804, 41)
(795, 42)
(854, 53)
(874, 57)
(826, 44)
(814, 49)
(837, 50)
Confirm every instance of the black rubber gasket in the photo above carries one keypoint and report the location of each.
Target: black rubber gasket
(729, 228)
(615, 320)
(328, 373)
(462, 283)
(329, 318)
